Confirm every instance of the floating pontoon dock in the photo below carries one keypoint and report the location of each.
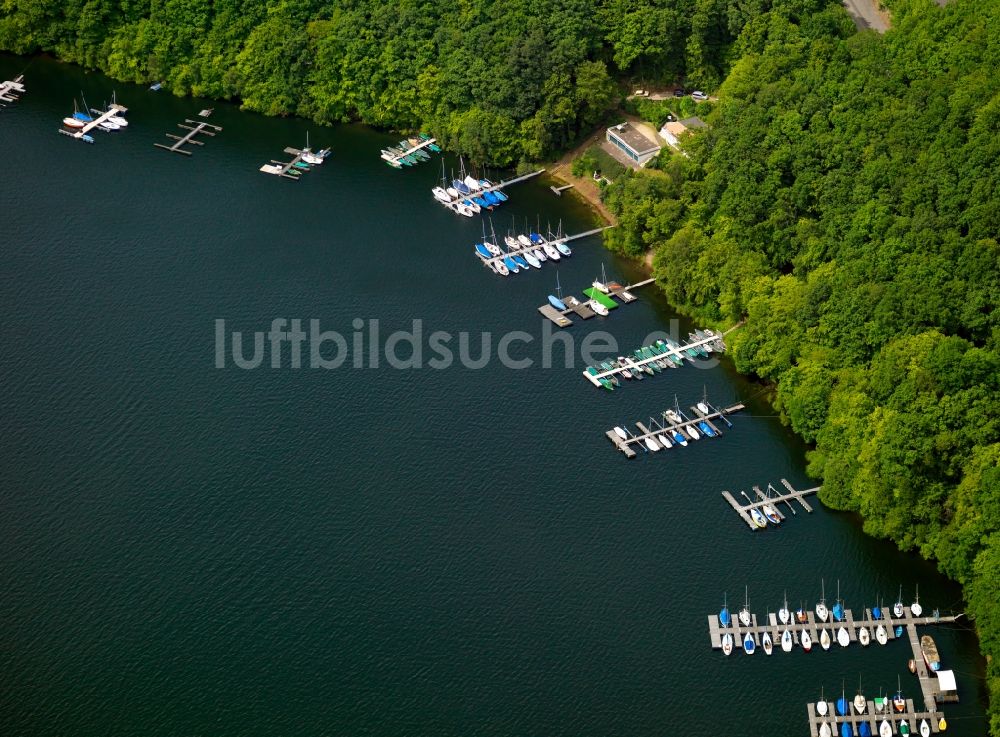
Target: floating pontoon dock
(522, 249)
(559, 190)
(668, 426)
(673, 352)
(280, 168)
(81, 134)
(873, 718)
(12, 89)
(772, 497)
(199, 126)
(394, 161)
(575, 306)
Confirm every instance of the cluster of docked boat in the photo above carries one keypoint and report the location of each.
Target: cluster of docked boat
(11, 90)
(674, 428)
(522, 252)
(882, 709)
(872, 627)
(467, 195)
(410, 151)
(307, 159)
(652, 359)
(73, 125)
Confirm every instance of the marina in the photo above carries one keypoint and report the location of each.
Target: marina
(672, 428)
(462, 199)
(12, 89)
(577, 307)
(649, 359)
(772, 499)
(194, 128)
(85, 123)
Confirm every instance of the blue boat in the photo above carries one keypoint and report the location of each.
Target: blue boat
(703, 426)
(155, 87)
(483, 251)
(500, 195)
(521, 262)
(899, 630)
(877, 612)
(82, 116)
(509, 263)
(563, 248)
(842, 706)
(846, 730)
(86, 139)
(557, 303)
(724, 618)
(460, 186)
(680, 438)
(491, 198)
(481, 202)
(748, 644)
(838, 612)
(864, 730)
(536, 239)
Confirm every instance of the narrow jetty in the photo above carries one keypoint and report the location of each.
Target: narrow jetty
(12, 89)
(452, 204)
(281, 168)
(575, 306)
(773, 498)
(492, 261)
(194, 128)
(395, 160)
(559, 190)
(82, 133)
(663, 426)
(675, 352)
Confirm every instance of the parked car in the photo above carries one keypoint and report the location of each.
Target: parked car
(699, 96)
(679, 92)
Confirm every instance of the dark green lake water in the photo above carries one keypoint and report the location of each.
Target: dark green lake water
(192, 551)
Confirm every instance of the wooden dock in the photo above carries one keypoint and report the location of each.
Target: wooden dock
(663, 425)
(575, 306)
(872, 718)
(492, 188)
(677, 353)
(559, 190)
(772, 497)
(281, 168)
(12, 89)
(194, 128)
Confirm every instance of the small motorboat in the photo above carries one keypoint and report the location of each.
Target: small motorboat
(881, 636)
(156, 86)
(843, 639)
(824, 639)
(748, 644)
(915, 609)
(73, 123)
(598, 308)
(925, 728)
(652, 445)
(563, 248)
(898, 631)
(500, 195)
(772, 516)
(767, 644)
(806, 641)
(557, 303)
(864, 637)
(943, 724)
(758, 518)
(727, 644)
(786, 641)
(885, 729)
(911, 665)
(621, 433)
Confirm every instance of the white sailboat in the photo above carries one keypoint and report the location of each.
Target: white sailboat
(821, 611)
(601, 285)
(843, 639)
(822, 707)
(767, 644)
(727, 644)
(860, 702)
(881, 636)
(885, 729)
(783, 613)
(806, 641)
(786, 641)
(307, 154)
(897, 608)
(744, 614)
(824, 639)
(915, 609)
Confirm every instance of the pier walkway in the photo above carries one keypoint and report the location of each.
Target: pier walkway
(581, 309)
(664, 426)
(395, 160)
(772, 497)
(12, 89)
(200, 127)
(522, 249)
(281, 168)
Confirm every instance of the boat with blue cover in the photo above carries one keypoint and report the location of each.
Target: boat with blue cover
(460, 186)
(724, 618)
(482, 202)
(491, 198)
(500, 195)
(703, 426)
(520, 262)
(483, 251)
(510, 264)
(556, 299)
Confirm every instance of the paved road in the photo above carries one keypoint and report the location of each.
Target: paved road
(866, 15)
